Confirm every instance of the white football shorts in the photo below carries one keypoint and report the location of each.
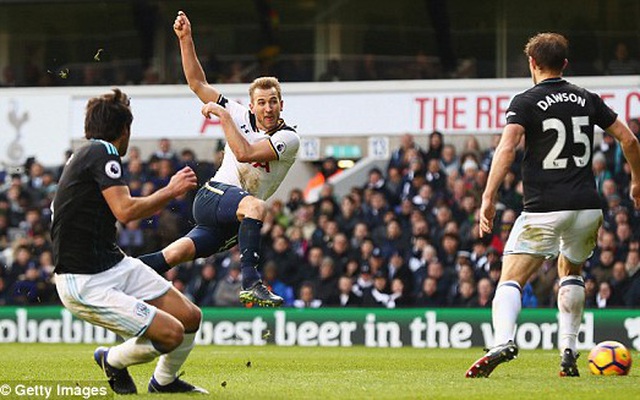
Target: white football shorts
(572, 233)
(115, 298)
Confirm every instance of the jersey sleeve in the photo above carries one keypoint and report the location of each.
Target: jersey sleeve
(238, 112)
(106, 167)
(516, 112)
(604, 115)
(285, 143)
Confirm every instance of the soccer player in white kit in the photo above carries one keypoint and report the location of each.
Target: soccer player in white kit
(230, 208)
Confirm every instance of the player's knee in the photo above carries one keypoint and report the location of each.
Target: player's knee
(193, 320)
(261, 209)
(179, 251)
(174, 337)
(170, 337)
(253, 207)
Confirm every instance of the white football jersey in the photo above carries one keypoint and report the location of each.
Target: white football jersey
(259, 179)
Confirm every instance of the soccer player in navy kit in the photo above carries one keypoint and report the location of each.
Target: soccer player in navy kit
(230, 208)
(96, 281)
(562, 212)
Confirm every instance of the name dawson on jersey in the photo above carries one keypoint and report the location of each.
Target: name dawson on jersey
(563, 97)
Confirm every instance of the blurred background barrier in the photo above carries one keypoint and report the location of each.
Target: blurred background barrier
(416, 327)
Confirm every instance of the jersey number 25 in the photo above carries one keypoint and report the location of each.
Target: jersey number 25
(552, 160)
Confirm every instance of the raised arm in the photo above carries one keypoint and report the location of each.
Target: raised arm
(261, 151)
(190, 65)
(126, 208)
(631, 149)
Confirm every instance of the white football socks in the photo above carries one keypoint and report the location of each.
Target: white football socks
(169, 363)
(506, 306)
(571, 305)
(136, 350)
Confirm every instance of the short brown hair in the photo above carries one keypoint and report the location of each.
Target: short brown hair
(549, 50)
(265, 82)
(107, 116)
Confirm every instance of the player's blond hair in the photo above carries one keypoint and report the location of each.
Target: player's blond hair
(265, 82)
(549, 50)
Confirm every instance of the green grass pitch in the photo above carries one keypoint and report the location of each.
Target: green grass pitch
(334, 373)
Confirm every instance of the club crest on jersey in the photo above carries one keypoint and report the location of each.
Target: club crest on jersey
(113, 169)
(280, 147)
(142, 310)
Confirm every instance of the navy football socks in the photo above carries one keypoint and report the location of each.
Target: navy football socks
(156, 261)
(249, 243)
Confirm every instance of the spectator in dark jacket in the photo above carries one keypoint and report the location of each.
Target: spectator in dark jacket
(632, 295)
(430, 296)
(346, 297)
(310, 270)
(327, 283)
(285, 259)
(228, 289)
(377, 295)
(202, 287)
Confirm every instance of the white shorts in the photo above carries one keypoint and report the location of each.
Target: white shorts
(572, 233)
(115, 298)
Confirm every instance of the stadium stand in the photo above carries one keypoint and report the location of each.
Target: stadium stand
(405, 235)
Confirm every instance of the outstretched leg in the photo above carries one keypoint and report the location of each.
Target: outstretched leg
(182, 250)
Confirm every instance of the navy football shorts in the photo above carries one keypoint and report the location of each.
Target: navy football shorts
(214, 210)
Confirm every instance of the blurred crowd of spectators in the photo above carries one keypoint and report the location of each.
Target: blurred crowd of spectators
(407, 237)
(290, 68)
